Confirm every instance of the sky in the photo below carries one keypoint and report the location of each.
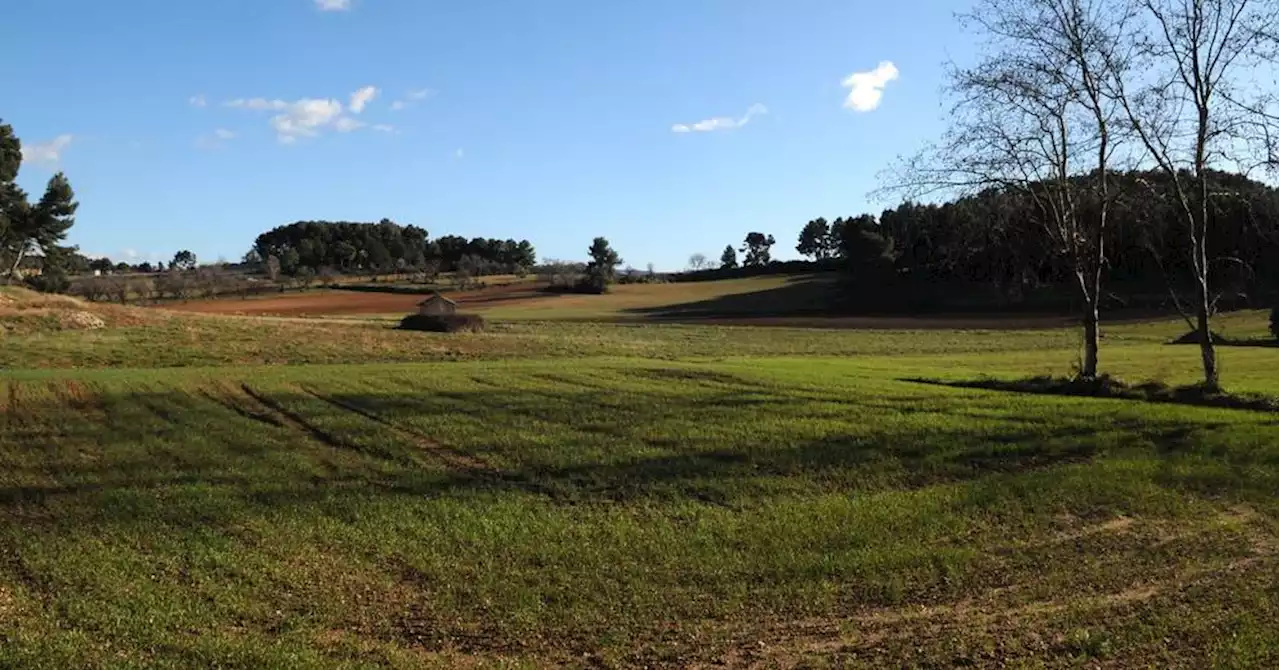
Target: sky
(671, 127)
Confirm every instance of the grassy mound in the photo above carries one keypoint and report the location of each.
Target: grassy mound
(23, 311)
(444, 323)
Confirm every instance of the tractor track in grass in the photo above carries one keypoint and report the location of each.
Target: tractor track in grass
(452, 457)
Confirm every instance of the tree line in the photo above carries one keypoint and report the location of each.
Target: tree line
(1065, 94)
(348, 247)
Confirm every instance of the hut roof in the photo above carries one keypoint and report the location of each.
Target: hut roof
(436, 296)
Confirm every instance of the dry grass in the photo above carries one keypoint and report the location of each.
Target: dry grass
(27, 312)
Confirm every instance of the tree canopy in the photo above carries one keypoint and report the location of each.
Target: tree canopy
(756, 247)
(386, 246)
(27, 228)
(729, 258)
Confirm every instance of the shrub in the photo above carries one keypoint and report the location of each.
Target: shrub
(54, 280)
(1275, 316)
(444, 323)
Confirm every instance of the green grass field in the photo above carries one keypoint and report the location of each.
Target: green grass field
(615, 495)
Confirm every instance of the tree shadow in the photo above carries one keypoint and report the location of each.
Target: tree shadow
(801, 295)
(200, 457)
(1107, 387)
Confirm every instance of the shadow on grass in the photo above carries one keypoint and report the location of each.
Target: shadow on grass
(191, 458)
(1193, 337)
(1109, 387)
(801, 295)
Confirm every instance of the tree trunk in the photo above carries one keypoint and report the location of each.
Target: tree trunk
(1208, 355)
(1089, 363)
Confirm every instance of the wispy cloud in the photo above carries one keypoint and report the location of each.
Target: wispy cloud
(720, 122)
(333, 5)
(866, 88)
(411, 98)
(48, 153)
(383, 128)
(197, 100)
(308, 117)
(346, 124)
(362, 97)
(215, 139)
(257, 104)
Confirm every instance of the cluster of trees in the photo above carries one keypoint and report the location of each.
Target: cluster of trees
(77, 263)
(317, 247)
(1066, 93)
(205, 281)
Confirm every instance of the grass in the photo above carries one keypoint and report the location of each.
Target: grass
(608, 495)
(633, 300)
(632, 511)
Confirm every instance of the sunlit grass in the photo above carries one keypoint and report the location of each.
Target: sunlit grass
(635, 511)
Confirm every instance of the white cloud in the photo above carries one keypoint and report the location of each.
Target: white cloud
(720, 122)
(333, 5)
(346, 124)
(305, 118)
(47, 152)
(866, 88)
(309, 117)
(224, 134)
(197, 100)
(383, 128)
(362, 97)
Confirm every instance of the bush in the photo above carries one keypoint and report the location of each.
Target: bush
(53, 280)
(444, 323)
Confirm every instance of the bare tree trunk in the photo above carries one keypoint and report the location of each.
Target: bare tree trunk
(1089, 318)
(1089, 364)
(1208, 355)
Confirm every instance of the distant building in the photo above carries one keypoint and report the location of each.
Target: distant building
(437, 304)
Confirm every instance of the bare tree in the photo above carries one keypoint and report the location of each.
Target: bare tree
(273, 268)
(697, 262)
(1191, 107)
(1031, 118)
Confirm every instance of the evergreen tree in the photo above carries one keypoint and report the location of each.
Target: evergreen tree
(729, 259)
(25, 228)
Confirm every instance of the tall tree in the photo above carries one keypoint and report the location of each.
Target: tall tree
(25, 228)
(1192, 108)
(697, 262)
(604, 262)
(183, 260)
(729, 257)
(815, 240)
(756, 247)
(1029, 118)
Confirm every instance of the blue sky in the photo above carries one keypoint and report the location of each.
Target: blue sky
(670, 127)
